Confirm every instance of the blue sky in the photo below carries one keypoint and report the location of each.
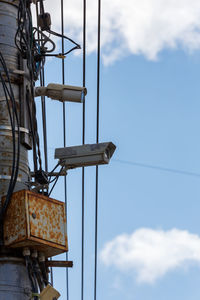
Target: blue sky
(149, 228)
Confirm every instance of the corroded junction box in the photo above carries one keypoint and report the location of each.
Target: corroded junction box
(35, 221)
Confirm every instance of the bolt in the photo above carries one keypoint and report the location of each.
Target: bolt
(34, 215)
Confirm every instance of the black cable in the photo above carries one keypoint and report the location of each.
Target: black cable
(32, 276)
(44, 122)
(96, 233)
(64, 131)
(43, 102)
(60, 55)
(63, 54)
(38, 273)
(44, 272)
(12, 122)
(36, 129)
(9, 95)
(83, 142)
(58, 175)
(11, 183)
(52, 191)
(25, 42)
(159, 168)
(53, 171)
(55, 180)
(32, 131)
(64, 37)
(50, 181)
(47, 29)
(41, 7)
(97, 140)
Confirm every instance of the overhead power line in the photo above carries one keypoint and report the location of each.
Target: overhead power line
(158, 168)
(83, 142)
(64, 132)
(97, 141)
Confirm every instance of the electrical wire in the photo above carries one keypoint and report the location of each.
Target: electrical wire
(44, 122)
(83, 142)
(159, 168)
(64, 128)
(47, 29)
(38, 273)
(63, 54)
(55, 181)
(32, 131)
(13, 115)
(97, 141)
(64, 37)
(25, 43)
(31, 276)
(53, 170)
(77, 46)
(43, 102)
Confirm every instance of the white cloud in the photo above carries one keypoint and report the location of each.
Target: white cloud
(150, 254)
(143, 27)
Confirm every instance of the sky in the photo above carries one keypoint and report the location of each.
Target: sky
(148, 227)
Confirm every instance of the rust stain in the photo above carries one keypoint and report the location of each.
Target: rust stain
(16, 229)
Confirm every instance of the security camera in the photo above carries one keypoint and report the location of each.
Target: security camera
(85, 155)
(62, 92)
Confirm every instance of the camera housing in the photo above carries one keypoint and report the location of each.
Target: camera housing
(85, 155)
(62, 92)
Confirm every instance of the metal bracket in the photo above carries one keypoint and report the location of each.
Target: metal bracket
(8, 177)
(22, 129)
(59, 264)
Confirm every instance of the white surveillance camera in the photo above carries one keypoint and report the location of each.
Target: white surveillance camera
(85, 155)
(62, 92)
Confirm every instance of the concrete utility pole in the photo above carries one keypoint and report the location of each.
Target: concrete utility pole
(14, 279)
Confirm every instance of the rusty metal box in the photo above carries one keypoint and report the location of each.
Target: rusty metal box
(35, 221)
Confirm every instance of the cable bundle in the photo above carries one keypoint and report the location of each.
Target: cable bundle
(37, 272)
(25, 42)
(30, 50)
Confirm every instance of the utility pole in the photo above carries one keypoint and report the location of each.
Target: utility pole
(14, 279)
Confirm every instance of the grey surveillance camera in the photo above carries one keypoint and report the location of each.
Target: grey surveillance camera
(85, 155)
(62, 92)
